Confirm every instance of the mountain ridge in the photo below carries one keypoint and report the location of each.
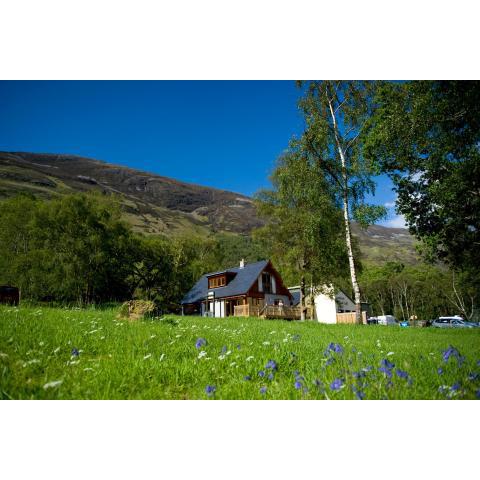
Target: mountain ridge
(155, 204)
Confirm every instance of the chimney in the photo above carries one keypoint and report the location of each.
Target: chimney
(242, 263)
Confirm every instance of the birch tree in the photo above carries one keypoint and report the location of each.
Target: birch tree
(336, 113)
(302, 223)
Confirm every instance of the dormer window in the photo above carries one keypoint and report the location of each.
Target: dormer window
(216, 282)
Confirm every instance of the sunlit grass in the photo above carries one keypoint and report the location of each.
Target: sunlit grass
(90, 354)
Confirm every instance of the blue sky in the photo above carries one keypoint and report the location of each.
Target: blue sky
(223, 134)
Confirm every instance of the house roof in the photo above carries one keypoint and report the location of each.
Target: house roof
(239, 285)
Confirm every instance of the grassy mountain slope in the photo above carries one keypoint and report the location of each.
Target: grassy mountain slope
(155, 204)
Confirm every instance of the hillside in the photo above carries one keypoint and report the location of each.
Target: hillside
(155, 204)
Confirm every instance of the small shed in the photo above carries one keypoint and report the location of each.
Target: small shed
(9, 295)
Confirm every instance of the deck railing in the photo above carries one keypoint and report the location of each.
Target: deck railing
(268, 311)
(246, 311)
(277, 311)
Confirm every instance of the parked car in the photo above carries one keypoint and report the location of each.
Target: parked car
(387, 320)
(452, 322)
(372, 321)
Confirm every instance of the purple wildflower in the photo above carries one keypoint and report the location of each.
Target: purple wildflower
(261, 373)
(387, 364)
(386, 371)
(473, 376)
(329, 361)
(263, 390)
(224, 349)
(338, 348)
(358, 393)
(401, 373)
(477, 393)
(358, 374)
(75, 352)
(200, 342)
(239, 347)
(298, 385)
(440, 371)
(210, 389)
(455, 387)
(450, 351)
(336, 384)
(270, 376)
(247, 378)
(272, 365)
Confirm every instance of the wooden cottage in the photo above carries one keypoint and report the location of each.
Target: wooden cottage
(254, 289)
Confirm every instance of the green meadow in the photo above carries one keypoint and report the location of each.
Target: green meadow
(58, 353)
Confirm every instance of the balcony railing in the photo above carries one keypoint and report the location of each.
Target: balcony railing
(269, 311)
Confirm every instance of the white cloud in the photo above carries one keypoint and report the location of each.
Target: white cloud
(397, 221)
(389, 204)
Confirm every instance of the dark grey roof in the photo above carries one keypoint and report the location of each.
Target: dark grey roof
(239, 285)
(296, 297)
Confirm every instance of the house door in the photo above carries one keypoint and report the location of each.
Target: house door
(230, 307)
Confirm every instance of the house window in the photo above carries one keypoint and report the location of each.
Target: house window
(216, 282)
(267, 282)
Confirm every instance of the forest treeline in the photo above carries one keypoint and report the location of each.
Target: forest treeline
(77, 250)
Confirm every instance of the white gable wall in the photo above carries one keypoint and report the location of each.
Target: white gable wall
(325, 309)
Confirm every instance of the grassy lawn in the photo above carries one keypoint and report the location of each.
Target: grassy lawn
(48, 353)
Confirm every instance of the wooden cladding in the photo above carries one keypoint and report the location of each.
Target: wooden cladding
(216, 282)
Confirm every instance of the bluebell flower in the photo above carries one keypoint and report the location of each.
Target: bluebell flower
(440, 371)
(224, 349)
(329, 361)
(338, 348)
(455, 387)
(401, 373)
(386, 371)
(477, 393)
(261, 373)
(298, 385)
(336, 384)
(263, 390)
(473, 376)
(272, 365)
(210, 389)
(387, 364)
(449, 352)
(296, 373)
(75, 352)
(200, 342)
(239, 347)
(478, 363)
(247, 378)
(270, 376)
(358, 393)
(358, 374)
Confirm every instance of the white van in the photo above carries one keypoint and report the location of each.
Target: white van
(387, 320)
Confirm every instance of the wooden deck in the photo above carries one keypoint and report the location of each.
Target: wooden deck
(269, 311)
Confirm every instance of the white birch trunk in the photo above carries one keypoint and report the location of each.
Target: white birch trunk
(348, 234)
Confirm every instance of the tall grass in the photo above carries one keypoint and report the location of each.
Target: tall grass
(54, 353)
